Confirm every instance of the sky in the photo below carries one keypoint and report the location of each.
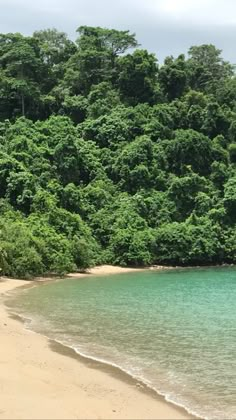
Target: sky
(165, 27)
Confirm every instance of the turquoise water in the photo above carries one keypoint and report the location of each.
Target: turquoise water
(174, 330)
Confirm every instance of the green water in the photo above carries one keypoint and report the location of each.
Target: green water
(174, 330)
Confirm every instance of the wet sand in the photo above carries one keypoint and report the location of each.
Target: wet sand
(38, 383)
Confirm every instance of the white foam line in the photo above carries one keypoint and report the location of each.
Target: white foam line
(28, 323)
(137, 378)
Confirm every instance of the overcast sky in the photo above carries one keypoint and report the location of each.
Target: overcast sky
(162, 26)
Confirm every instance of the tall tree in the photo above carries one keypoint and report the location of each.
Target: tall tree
(20, 69)
(94, 61)
(137, 77)
(207, 68)
(173, 77)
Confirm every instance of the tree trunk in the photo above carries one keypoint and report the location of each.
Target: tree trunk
(22, 105)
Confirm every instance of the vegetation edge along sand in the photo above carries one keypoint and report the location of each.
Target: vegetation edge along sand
(49, 385)
(101, 270)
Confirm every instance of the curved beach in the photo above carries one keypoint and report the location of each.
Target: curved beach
(38, 383)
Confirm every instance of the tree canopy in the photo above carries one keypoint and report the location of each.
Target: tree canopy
(107, 156)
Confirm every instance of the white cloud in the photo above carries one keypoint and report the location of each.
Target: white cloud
(195, 11)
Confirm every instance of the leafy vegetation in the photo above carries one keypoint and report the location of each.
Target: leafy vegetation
(108, 157)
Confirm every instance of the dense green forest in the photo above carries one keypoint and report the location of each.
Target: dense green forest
(108, 157)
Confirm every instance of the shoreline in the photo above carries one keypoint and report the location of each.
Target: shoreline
(87, 389)
(105, 269)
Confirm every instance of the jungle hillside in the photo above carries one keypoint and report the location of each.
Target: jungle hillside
(107, 156)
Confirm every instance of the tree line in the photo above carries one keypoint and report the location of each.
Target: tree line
(108, 157)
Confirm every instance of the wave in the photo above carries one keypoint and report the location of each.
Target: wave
(142, 381)
(172, 333)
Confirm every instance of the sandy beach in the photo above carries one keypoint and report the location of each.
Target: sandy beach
(39, 383)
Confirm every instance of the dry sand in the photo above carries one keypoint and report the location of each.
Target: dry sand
(38, 383)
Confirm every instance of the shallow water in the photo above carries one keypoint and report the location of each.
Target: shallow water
(174, 330)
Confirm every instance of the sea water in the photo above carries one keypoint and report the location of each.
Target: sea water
(173, 330)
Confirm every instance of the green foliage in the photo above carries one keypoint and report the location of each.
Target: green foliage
(21, 258)
(230, 245)
(173, 77)
(94, 61)
(131, 166)
(232, 152)
(189, 148)
(20, 72)
(230, 197)
(207, 68)
(137, 80)
(183, 192)
(190, 242)
(108, 157)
